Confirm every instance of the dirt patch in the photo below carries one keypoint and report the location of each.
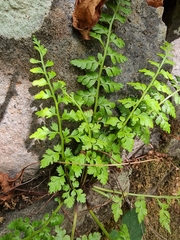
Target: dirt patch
(158, 178)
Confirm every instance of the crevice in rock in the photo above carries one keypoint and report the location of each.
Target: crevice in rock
(170, 18)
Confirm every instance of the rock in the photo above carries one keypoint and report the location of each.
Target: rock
(19, 19)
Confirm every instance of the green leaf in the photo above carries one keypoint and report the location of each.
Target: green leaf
(49, 158)
(69, 200)
(103, 175)
(176, 98)
(152, 103)
(41, 133)
(56, 184)
(96, 36)
(51, 74)
(94, 236)
(145, 120)
(120, 18)
(109, 85)
(77, 169)
(49, 63)
(141, 209)
(112, 121)
(61, 234)
(170, 62)
(89, 79)
(37, 70)
(127, 138)
(72, 115)
(105, 106)
(127, 102)
(40, 83)
(117, 208)
(87, 97)
(34, 61)
(123, 234)
(160, 86)
(145, 135)
(89, 64)
(162, 120)
(147, 72)
(154, 63)
(166, 74)
(98, 28)
(54, 127)
(105, 18)
(112, 71)
(138, 86)
(117, 41)
(115, 57)
(136, 230)
(44, 94)
(168, 108)
(81, 197)
(164, 216)
(46, 112)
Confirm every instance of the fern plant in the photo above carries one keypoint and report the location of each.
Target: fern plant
(99, 135)
(139, 115)
(92, 136)
(48, 228)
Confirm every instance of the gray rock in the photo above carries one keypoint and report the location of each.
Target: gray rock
(19, 19)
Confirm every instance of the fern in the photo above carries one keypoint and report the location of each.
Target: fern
(154, 107)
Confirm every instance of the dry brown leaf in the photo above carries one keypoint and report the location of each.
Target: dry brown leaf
(155, 3)
(7, 185)
(86, 14)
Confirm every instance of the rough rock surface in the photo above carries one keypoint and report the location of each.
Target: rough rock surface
(143, 33)
(19, 19)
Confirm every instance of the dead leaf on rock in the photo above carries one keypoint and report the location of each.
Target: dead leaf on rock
(86, 14)
(7, 185)
(155, 3)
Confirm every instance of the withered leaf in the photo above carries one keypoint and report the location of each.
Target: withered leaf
(86, 14)
(7, 185)
(155, 3)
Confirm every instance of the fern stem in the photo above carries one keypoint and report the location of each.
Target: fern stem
(100, 224)
(145, 92)
(105, 190)
(74, 221)
(103, 61)
(169, 96)
(80, 109)
(58, 119)
(56, 106)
